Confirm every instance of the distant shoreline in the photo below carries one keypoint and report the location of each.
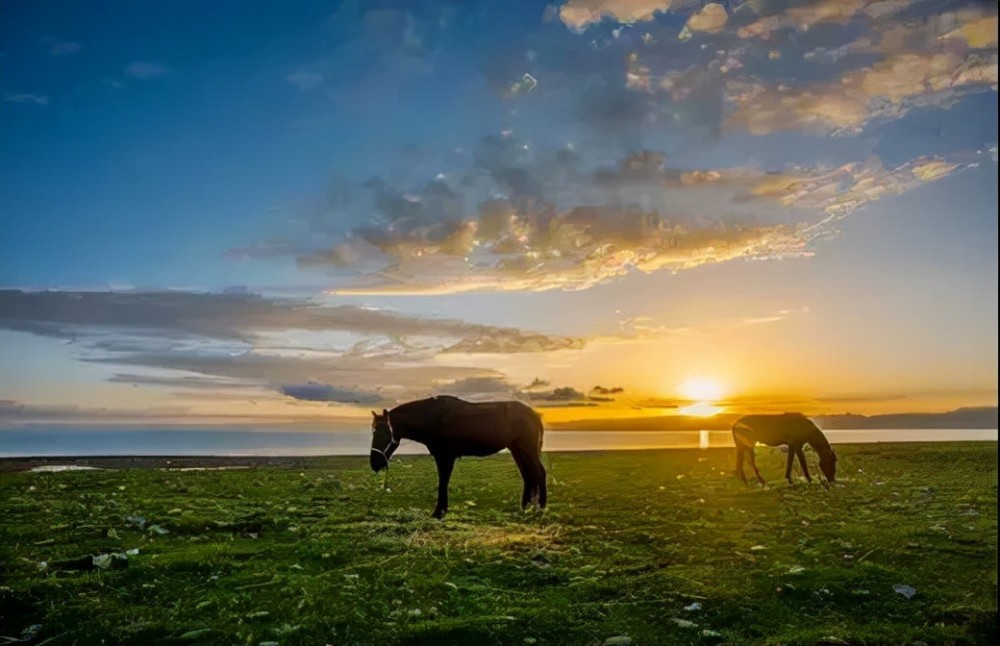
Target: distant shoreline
(210, 462)
(10, 465)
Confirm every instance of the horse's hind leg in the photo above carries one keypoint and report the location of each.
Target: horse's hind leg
(802, 460)
(753, 463)
(445, 465)
(739, 462)
(523, 463)
(543, 495)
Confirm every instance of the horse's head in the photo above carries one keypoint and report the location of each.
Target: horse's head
(384, 441)
(828, 464)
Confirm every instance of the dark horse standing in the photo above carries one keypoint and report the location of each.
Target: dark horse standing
(793, 429)
(452, 428)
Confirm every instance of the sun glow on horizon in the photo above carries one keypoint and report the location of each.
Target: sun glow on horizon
(700, 409)
(704, 392)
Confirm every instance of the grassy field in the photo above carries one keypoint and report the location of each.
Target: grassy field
(663, 547)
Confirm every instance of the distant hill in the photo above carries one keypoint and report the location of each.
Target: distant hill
(979, 417)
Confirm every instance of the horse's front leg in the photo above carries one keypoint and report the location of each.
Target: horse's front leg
(739, 462)
(789, 463)
(445, 465)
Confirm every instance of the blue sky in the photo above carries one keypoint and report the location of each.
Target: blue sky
(629, 193)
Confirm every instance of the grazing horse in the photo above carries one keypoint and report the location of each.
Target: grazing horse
(452, 428)
(793, 429)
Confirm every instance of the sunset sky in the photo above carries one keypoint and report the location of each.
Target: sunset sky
(293, 212)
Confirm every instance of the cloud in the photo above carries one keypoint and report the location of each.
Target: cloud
(641, 329)
(16, 413)
(526, 242)
(240, 317)
(803, 17)
(568, 396)
(327, 393)
(711, 18)
(887, 90)
(400, 377)
(305, 80)
(512, 341)
(563, 394)
(478, 388)
(511, 248)
(227, 342)
(30, 99)
(61, 47)
(144, 70)
(520, 210)
(978, 33)
(172, 381)
(930, 61)
(602, 394)
(579, 14)
(830, 66)
(12, 411)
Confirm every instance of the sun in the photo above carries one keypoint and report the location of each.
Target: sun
(701, 389)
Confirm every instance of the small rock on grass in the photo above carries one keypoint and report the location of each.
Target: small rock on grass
(30, 632)
(114, 561)
(905, 590)
(618, 640)
(195, 634)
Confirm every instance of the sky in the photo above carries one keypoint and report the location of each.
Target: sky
(290, 213)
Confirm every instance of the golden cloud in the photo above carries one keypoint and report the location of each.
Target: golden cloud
(710, 19)
(806, 16)
(887, 89)
(585, 246)
(980, 33)
(578, 14)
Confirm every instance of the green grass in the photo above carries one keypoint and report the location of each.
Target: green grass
(322, 555)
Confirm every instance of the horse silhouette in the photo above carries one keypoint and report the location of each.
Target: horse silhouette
(793, 429)
(452, 428)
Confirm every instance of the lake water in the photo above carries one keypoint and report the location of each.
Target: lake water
(37, 441)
